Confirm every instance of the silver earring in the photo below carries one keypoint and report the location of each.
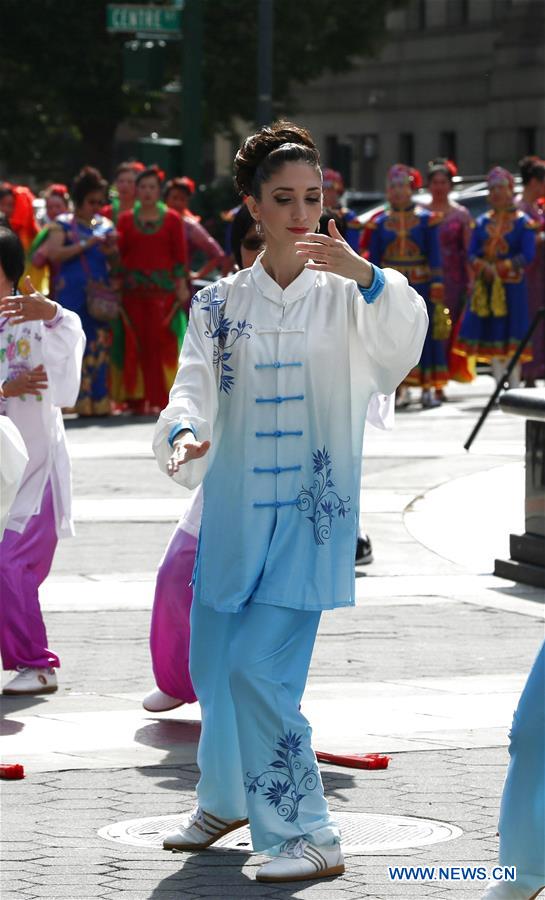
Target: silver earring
(258, 229)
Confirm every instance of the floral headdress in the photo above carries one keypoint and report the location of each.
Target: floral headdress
(401, 174)
(333, 179)
(499, 175)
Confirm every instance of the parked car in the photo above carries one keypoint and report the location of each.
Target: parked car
(469, 192)
(360, 201)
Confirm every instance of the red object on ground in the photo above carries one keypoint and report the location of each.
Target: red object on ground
(356, 760)
(12, 772)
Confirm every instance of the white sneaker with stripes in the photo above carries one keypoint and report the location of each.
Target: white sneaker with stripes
(299, 860)
(199, 831)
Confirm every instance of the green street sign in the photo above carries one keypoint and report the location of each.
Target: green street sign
(146, 19)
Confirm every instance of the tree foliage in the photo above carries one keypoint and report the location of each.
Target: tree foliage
(61, 74)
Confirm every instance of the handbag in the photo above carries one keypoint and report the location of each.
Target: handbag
(103, 301)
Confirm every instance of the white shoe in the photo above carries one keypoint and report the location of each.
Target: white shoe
(512, 890)
(200, 830)
(32, 681)
(158, 701)
(299, 860)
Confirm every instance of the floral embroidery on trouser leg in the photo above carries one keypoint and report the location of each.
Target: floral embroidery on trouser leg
(269, 658)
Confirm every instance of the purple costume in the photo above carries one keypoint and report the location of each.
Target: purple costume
(535, 280)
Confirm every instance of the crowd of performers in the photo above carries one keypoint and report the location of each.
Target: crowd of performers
(256, 425)
(482, 281)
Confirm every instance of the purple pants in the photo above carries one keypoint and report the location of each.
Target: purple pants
(169, 636)
(25, 561)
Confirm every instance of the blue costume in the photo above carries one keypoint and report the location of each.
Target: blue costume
(497, 317)
(407, 240)
(71, 292)
(522, 814)
(279, 381)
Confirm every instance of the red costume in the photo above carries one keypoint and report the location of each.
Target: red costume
(153, 257)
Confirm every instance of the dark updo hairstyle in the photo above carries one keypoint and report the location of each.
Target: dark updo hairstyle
(151, 172)
(127, 166)
(443, 166)
(265, 152)
(12, 255)
(531, 167)
(87, 181)
(6, 190)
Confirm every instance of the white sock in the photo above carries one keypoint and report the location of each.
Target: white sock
(497, 364)
(514, 378)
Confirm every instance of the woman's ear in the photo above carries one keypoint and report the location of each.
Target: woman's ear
(251, 203)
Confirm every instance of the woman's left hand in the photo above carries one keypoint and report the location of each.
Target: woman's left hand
(30, 307)
(331, 253)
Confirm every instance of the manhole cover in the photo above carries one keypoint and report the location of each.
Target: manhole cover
(362, 832)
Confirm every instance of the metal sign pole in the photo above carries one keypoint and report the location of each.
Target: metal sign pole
(192, 89)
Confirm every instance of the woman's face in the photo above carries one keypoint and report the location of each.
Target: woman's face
(6, 287)
(148, 191)
(399, 194)
(537, 188)
(331, 197)
(55, 206)
(290, 204)
(440, 187)
(125, 185)
(500, 196)
(91, 206)
(250, 247)
(177, 199)
(7, 205)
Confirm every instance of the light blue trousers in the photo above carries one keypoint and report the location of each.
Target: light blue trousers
(249, 671)
(522, 814)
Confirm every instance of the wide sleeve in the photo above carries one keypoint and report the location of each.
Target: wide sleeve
(14, 456)
(528, 243)
(193, 400)
(475, 249)
(63, 343)
(433, 252)
(389, 330)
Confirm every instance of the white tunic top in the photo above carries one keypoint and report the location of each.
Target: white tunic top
(13, 462)
(58, 346)
(280, 381)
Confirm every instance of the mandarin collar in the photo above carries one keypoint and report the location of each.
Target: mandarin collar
(267, 286)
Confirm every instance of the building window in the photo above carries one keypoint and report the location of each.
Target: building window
(457, 12)
(447, 144)
(339, 156)
(527, 141)
(406, 148)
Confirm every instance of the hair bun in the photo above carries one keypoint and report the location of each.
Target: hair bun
(260, 145)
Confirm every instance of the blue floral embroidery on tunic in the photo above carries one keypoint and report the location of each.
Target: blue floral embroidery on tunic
(320, 499)
(224, 334)
(290, 780)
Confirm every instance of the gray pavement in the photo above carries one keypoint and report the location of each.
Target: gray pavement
(427, 667)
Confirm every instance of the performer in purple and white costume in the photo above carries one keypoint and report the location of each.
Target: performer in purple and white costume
(41, 349)
(268, 411)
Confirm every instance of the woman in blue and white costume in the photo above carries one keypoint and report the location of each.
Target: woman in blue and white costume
(268, 411)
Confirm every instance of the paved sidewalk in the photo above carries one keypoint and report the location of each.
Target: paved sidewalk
(427, 667)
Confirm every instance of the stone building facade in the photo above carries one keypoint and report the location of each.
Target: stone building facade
(460, 78)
